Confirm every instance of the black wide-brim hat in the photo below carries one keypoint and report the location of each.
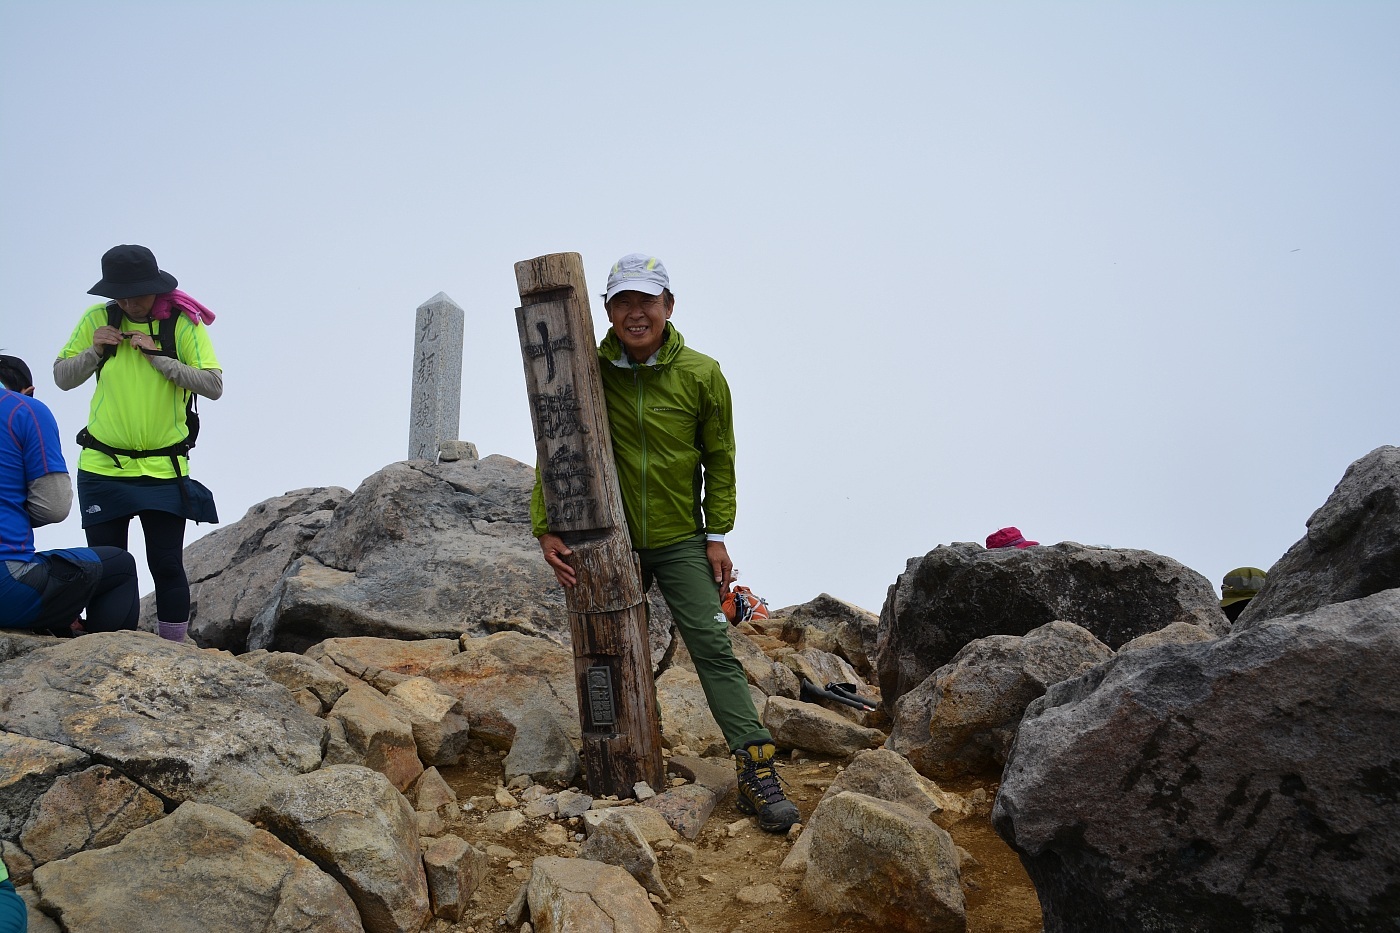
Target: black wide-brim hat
(131, 271)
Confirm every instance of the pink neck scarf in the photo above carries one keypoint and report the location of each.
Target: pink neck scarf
(177, 299)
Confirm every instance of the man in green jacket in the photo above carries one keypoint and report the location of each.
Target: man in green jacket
(673, 441)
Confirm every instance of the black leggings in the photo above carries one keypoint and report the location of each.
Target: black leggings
(165, 546)
(116, 603)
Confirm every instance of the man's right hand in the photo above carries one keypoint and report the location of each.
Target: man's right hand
(555, 550)
(106, 336)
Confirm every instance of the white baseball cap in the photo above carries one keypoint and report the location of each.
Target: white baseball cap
(637, 272)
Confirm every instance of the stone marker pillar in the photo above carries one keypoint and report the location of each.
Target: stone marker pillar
(436, 409)
(607, 609)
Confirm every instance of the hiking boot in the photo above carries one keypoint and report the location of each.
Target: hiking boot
(759, 792)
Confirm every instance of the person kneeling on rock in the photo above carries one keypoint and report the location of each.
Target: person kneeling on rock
(47, 590)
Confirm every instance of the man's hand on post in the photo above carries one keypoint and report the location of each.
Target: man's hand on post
(555, 550)
(718, 556)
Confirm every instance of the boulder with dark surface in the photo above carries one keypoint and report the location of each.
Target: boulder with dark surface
(962, 719)
(421, 550)
(234, 569)
(1351, 549)
(832, 625)
(1246, 783)
(958, 593)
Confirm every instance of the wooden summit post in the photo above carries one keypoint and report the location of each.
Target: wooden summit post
(607, 608)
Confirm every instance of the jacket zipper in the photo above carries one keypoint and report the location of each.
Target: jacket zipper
(642, 432)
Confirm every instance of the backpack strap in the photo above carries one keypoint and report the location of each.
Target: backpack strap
(165, 334)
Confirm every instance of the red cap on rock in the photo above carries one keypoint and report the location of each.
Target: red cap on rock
(1008, 537)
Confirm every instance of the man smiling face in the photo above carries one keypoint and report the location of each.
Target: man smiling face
(639, 320)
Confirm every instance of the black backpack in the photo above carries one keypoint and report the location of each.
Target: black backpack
(182, 448)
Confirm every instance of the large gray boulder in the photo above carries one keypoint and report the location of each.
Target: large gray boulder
(958, 593)
(184, 724)
(1351, 549)
(885, 862)
(961, 720)
(501, 677)
(812, 728)
(1247, 783)
(234, 569)
(884, 775)
(199, 870)
(832, 625)
(589, 897)
(421, 550)
(360, 830)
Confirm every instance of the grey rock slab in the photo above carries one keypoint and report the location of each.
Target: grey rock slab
(1351, 548)
(616, 841)
(353, 824)
(14, 643)
(571, 804)
(379, 734)
(440, 734)
(185, 724)
(958, 593)
(833, 625)
(431, 793)
(28, 768)
(648, 823)
(685, 808)
(581, 896)
(298, 672)
(1178, 633)
(884, 775)
(455, 869)
(383, 663)
(233, 570)
(820, 668)
(199, 870)
(39, 922)
(1247, 783)
(542, 750)
(884, 862)
(421, 550)
(963, 718)
(501, 677)
(89, 809)
(714, 774)
(795, 724)
(20, 866)
(772, 678)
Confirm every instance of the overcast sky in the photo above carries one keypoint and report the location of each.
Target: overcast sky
(1117, 273)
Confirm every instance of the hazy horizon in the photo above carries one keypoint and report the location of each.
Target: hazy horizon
(1111, 273)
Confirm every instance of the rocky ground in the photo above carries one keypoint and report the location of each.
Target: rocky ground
(728, 879)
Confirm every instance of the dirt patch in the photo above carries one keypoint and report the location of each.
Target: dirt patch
(731, 859)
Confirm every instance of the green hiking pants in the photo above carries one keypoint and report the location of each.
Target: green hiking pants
(688, 586)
